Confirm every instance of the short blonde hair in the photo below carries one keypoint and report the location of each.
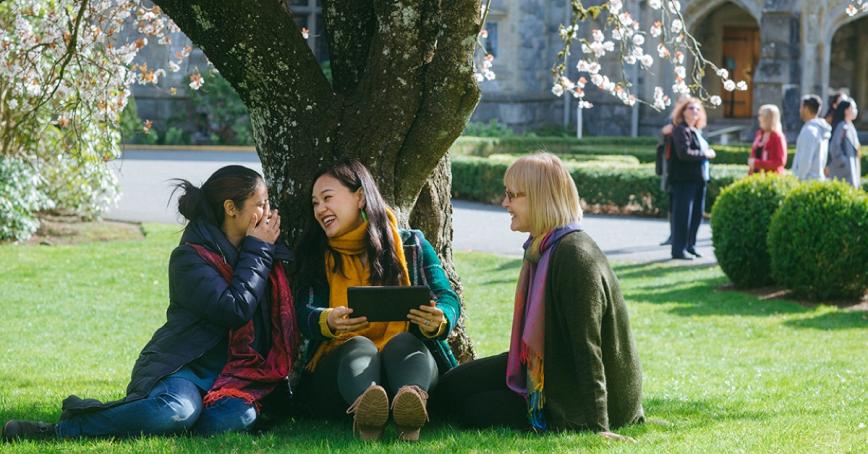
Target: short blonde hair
(772, 115)
(551, 192)
(678, 112)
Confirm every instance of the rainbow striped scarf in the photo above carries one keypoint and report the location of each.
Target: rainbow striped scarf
(524, 367)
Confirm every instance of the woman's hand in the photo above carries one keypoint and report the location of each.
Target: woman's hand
(268, 230)
(750, 162)
(339, 321)
(710, 154)
(615, 437)
(428, 318)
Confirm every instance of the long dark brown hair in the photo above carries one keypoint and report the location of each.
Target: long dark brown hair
(385, 268)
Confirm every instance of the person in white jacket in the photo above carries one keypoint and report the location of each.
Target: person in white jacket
(812, 146)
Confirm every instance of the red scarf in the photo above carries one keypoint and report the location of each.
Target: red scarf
(247, 375)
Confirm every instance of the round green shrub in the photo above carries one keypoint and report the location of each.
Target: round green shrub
(740, 221)
(818, 241)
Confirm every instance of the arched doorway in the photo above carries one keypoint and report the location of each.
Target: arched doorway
(848, 64)
(730, 38)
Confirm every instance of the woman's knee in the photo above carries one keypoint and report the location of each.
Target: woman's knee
(179, 408)
(404, 344)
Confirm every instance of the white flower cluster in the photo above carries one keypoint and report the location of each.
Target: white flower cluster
(622, 32)
(857, 6)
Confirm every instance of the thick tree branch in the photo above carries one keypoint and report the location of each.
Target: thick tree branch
(377, 116)
(450, 96)
(257, 47)
(350, 25)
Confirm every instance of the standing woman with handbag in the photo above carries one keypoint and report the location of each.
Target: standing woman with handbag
(688, 176)
(769, 150)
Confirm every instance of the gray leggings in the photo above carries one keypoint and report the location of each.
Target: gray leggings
(346, 372)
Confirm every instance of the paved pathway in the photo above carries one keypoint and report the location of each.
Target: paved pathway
(145, 175)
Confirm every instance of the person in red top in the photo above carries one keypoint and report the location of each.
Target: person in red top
(769, 151)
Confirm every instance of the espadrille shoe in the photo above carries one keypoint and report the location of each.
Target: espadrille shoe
(370, 413)
(409, 412)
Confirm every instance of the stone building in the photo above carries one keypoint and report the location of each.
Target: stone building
(783, 48)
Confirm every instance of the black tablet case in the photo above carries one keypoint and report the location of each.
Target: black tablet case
(387, 303)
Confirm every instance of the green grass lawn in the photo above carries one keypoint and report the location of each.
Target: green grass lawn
(727, 371)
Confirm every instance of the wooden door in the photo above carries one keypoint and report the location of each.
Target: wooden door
(741, 46)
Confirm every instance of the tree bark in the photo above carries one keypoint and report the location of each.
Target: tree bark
(402, 92)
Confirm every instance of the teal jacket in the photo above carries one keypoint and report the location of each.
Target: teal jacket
(424, 268)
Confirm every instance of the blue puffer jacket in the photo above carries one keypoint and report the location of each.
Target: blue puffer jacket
(203, 307)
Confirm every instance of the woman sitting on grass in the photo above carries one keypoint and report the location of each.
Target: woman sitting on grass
(229, 332)
(353, 240)
(571, 363)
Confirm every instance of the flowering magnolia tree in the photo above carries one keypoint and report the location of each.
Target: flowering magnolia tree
(616, 31)
(64, 79)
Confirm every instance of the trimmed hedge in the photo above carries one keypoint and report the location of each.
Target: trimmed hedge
(818, 241)
(643, 148)
(601, 184)
(739, 225)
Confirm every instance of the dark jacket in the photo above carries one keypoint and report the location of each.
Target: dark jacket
(424, 268)
(203, 307)
(593, 379)
(687, 157)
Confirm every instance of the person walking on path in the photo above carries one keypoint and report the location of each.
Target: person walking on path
(353, 239)
(844, 148)
(769, 151)
(229, 336)
(812, 146)
(572, 363)
(688, 176)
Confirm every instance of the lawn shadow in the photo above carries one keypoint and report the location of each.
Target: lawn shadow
(513, 264)
(653, 269)
(705, 300)
(840, 319)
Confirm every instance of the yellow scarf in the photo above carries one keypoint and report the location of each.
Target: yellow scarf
(351, 247)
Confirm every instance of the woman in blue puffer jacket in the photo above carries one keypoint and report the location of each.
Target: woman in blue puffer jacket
(229, 333)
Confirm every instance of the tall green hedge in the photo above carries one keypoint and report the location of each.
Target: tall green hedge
(603, 183)
(818, 241)
(643, 148)
(739, 225)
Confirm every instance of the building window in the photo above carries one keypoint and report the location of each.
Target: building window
(491, 41)
(308, 13)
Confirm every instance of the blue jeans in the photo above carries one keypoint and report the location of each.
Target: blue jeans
(173, 406)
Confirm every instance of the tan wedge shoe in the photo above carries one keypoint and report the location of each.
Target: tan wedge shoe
(409, 412)
(370, 413)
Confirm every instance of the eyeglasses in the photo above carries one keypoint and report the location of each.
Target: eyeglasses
(513, 195)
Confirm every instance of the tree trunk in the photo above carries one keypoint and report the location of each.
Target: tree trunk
(402, 91)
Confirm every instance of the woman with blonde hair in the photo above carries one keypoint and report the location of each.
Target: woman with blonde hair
(572, 363)
(769, 151)
(688, 176)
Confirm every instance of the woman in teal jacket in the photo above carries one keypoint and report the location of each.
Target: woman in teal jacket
(353, 240)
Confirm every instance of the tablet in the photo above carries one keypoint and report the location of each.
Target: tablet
(387, 303)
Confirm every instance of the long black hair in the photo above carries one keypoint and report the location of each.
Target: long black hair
(385, 268)
(841, 111)
(235, 183)
(832, 104)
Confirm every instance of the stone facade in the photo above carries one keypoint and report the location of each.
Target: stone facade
(805, 46)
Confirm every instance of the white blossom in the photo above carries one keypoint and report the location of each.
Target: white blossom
(557, 90)
(655, 4)
(728, 85)
(723, 73)
(741, 85)
(676, 27)
(638, 40)
(714, 100)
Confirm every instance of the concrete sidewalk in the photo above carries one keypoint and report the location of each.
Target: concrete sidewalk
(144, 177)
